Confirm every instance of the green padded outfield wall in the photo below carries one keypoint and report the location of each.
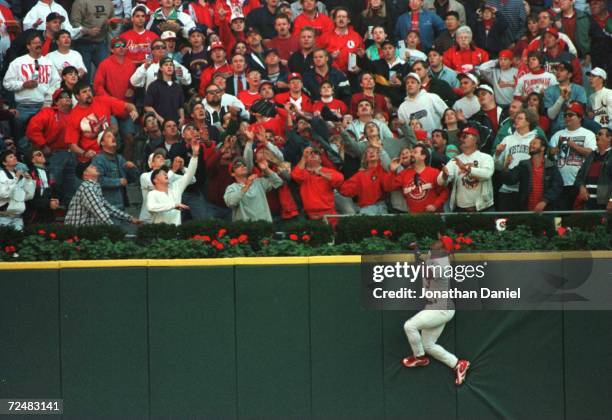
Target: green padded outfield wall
(279, 339)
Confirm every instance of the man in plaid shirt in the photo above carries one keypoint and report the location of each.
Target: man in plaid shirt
(89, 207)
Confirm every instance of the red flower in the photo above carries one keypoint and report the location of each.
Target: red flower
(52, 235)
(467, 240)
(217, 244)
(206, 238)
(233, 241)
(265, 242)
(373, 232)
(561, 231)
(293, 237)
(243, 238)
(42, 232)
(70, 240)
(9, 249)
(387, 233)
(221, 233)
(305, 238)
(447, 241)
(457, 247)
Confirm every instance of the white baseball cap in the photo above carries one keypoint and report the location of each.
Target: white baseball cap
(470, 76)
(168, 35)
(414, 76)
(485, 87)
(599, 72)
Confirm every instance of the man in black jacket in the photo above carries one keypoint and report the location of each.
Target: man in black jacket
(540, 183)
(594, 179)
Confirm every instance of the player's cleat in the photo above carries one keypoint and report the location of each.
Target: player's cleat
(461, 371)
(412, 361)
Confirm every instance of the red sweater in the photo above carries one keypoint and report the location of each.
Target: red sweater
(138, 45)
(380, 105)
(367, 185)
(283, 98)
(284, 46)
(113, 78)
(321, 24)
(207, 76)
(48, 128)
(248, 98)
(344, 44)
(334, 105)
(317, 192)
(277, 124)
(424, 192)
(463, 61)
(202, 14)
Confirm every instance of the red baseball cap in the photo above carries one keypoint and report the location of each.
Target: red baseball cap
(553, 31)
(575, 107)
(294, 76)
(470, 130)
(59, 93)
(506, 54)
(217, 44)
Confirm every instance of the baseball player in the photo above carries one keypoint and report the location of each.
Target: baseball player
(431, 321)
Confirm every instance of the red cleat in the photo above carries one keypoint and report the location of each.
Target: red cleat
(461, 371)
(412, 361)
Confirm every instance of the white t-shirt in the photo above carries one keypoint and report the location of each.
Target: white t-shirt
(425, 107)
(469, 106)
(568, 160)
(530, 82)
(61, 61)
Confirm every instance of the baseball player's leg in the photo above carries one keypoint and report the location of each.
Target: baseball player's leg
(429, 338)
(424, 320)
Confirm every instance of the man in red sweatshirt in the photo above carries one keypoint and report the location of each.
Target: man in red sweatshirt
(46, 130)
(139, 38)
(317, 184)
(113, 79)
(342, 40)
(419, 183)
(295, 96)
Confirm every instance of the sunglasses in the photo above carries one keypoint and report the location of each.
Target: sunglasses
(119, 45)
(159, 47)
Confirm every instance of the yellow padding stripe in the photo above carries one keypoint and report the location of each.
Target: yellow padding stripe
(331, 259)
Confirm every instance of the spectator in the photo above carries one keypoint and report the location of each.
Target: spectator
(470, 174)
(228, 102)
(440, 144)
(600, 101)
(412, 52)
(446, 39)
(442, 7)
(255, 53)
(539, 181)
(468, 104)
(367, 84)
(489, 116)
(64, 56)
(545, 21)
(301, 60)
(490, 30)
(47, 131)
(514, 148)
(594, 179)
(284, 42)
(514, 13)
(155, 161)
(39, 12)
(115, 173)
(52, 27)
(311, 17)
(219, 177)
(553, 55)
(577, 25)
(94, 16)
(201, 13)
(432, 85)
(41, 208)
(90, 118)
(558, 97)
(601, 14)
(570, 147)
(150, 139)
(247, 195)
(375, 15)
(464, 56)
(218, 65)
(378, 35)
(89, 207)
(169, 18)
(16, 187)
(33, 79)
(195, 59)
(368, 184)
(421, 105)
(275, 73)
(295, 96)
(437, 69)
(419, 183)
(365, 114)
(327, 100)
(148, 71)
(250, 95)
(8, 30)
(501, 76)
(537, 80)
(164, 203)
(323, 72)
(113, 79)
(262, 19)
(341, 41)
(139, 39)
(536, 104)
(169, 37)
(531, 32)
(165, 97)
(317, 184)
(429, 24)
(237, 82)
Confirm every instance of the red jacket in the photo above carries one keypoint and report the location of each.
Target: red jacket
(113, 78)
(344, 44)
(6, 13)
(317, 192)
(424, 191)
(334, 105)
(207, 76)
(367, 185)
(282, 98)
(48, 128)
(201, 13)
(463, 61)
(280, 200)
(227, 36)
(321, 24)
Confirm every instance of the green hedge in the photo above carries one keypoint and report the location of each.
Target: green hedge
(355, 235)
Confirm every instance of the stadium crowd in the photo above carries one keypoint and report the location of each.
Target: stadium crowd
(269, 110)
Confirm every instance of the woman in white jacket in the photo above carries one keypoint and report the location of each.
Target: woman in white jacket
(16, 187)
(164, 202)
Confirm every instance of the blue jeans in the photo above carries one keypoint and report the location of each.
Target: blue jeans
(92, 53)
(197, 205)
(62, 166)
(25, 111)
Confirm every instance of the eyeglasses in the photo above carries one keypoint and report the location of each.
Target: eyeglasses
(159, 47)
(570, 115)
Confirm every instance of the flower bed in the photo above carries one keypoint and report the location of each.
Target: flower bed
(353, 236)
